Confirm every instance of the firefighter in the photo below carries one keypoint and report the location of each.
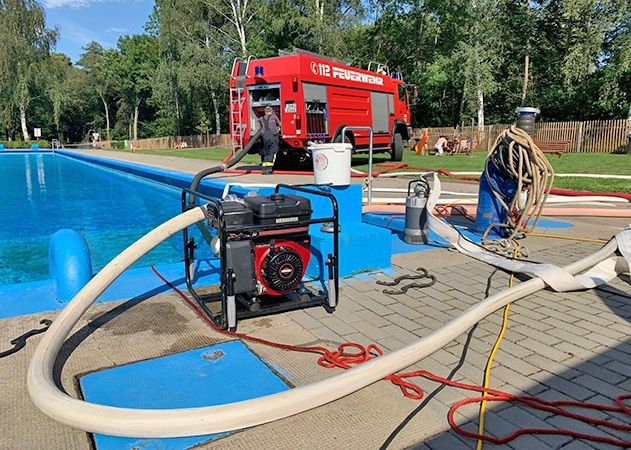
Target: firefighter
(270, 124)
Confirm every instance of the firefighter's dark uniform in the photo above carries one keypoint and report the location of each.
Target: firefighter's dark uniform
(269, 124)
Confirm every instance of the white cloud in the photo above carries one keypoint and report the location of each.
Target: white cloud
(116, 30)
(76, 4)
(70, 3)
(81, 35)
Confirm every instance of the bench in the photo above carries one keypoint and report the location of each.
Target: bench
(553, 147)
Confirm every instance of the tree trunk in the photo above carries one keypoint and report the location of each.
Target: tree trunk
(524, 90)
(463, 99)
(629, 113)
(177, 114)
(136, 121)
(240, 13)
(319, 6)
(107, 117)
(242, 39)
(217, 115)
(25, 134)
(480, 118)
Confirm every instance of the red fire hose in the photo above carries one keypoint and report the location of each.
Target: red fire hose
(572, 193)
(390, 167)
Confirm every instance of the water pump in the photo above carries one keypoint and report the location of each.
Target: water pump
(264, 247)
(416, 227)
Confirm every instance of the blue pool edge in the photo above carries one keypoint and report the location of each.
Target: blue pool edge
(42, 295)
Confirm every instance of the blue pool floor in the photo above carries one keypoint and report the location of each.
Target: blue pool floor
(396, 223)
(208, 376)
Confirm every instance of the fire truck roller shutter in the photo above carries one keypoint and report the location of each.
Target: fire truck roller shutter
(380, 106)
(316, 107)
(260, 96)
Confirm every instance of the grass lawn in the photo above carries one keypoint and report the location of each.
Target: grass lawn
(601, 163)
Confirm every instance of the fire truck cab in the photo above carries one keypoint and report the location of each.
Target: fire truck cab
(315, 97)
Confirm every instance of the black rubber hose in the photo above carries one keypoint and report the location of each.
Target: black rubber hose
(224, 166)
(20, 342)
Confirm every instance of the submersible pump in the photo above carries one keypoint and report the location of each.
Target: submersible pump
(416, 227)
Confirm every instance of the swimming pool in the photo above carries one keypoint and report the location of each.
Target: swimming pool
(42, 193)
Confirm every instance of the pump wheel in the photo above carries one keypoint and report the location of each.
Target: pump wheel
(396, 153)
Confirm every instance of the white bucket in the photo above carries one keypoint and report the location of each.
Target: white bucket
(332, 163)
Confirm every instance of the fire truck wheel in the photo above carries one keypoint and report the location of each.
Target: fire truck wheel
(396, 154)
(348, 138)
(292, 160)
(282, 161)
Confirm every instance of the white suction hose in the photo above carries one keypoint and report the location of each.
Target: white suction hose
(215, 419)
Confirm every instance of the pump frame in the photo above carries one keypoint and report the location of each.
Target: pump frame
(229, 313)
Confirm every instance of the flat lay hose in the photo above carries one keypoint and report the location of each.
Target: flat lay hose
(117, 421)
(567, 238)
(350, 354)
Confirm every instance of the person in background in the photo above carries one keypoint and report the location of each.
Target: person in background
(270, 124)
(465, 146)
(440, 145)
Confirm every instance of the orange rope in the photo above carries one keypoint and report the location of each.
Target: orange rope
(349, 354)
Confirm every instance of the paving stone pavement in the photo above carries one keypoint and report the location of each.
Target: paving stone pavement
(569, 346)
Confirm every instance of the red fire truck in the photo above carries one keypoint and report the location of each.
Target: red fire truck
(315, 97)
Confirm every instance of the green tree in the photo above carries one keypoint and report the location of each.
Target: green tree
(100, 65)
(134, 66)
(24, 47)
(58, 71)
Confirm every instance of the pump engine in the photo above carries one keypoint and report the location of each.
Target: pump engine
(264, 246)
(265, 261)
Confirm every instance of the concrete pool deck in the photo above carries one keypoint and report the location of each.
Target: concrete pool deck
(561, 346)
(193, 165)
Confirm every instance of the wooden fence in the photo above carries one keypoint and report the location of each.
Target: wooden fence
(194, 141)
(599, 136)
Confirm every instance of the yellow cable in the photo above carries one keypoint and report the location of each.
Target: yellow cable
(496, 346)
(568, 238)
(498, 341)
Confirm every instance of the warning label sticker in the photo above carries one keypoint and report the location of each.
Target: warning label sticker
(321, 162)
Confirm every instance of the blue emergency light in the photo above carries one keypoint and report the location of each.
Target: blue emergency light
(258, 71)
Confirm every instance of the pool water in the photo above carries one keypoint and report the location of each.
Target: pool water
(42, 193)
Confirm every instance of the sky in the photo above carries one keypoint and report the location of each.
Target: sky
(104, 21)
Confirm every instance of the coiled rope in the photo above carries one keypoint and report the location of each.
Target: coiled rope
(518, 157)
